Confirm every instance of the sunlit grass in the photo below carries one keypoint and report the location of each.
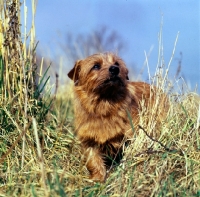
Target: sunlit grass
(40, 156)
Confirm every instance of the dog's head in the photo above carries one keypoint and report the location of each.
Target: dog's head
(104, 74)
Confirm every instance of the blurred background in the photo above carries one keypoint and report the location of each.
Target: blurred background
(70, 30)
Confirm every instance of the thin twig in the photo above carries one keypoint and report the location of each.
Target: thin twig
(161, 144)
(148, 151)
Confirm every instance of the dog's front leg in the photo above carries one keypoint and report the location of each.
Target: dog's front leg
(95, 164)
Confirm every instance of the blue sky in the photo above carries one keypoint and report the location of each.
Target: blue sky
(136, 21)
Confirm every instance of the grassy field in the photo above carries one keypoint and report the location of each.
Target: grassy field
(40, 156)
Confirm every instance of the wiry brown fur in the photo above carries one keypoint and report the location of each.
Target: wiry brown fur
(101, 105)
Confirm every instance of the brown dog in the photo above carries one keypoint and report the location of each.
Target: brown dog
(103, 98)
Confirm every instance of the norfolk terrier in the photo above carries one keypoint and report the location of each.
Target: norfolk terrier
(104, 97)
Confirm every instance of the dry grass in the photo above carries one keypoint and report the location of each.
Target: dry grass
(40, 156)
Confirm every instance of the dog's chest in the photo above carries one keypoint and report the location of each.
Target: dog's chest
(103, 128)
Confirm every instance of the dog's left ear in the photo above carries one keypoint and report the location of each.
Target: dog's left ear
(74, 72)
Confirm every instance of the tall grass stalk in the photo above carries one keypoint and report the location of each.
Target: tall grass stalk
(40, 155)
(19, 101)
(25, 89)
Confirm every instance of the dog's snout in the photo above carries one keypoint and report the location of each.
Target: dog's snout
(114, 70)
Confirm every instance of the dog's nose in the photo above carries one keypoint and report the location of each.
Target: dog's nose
(114, 70)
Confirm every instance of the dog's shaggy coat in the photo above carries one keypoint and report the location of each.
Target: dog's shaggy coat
(103, 98)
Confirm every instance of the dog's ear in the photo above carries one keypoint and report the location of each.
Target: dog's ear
(74, 72)
(127, 78)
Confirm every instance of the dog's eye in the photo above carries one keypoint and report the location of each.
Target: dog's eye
(116, 64)
(96, 67)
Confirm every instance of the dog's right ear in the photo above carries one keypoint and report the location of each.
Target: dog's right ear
(74, 72)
